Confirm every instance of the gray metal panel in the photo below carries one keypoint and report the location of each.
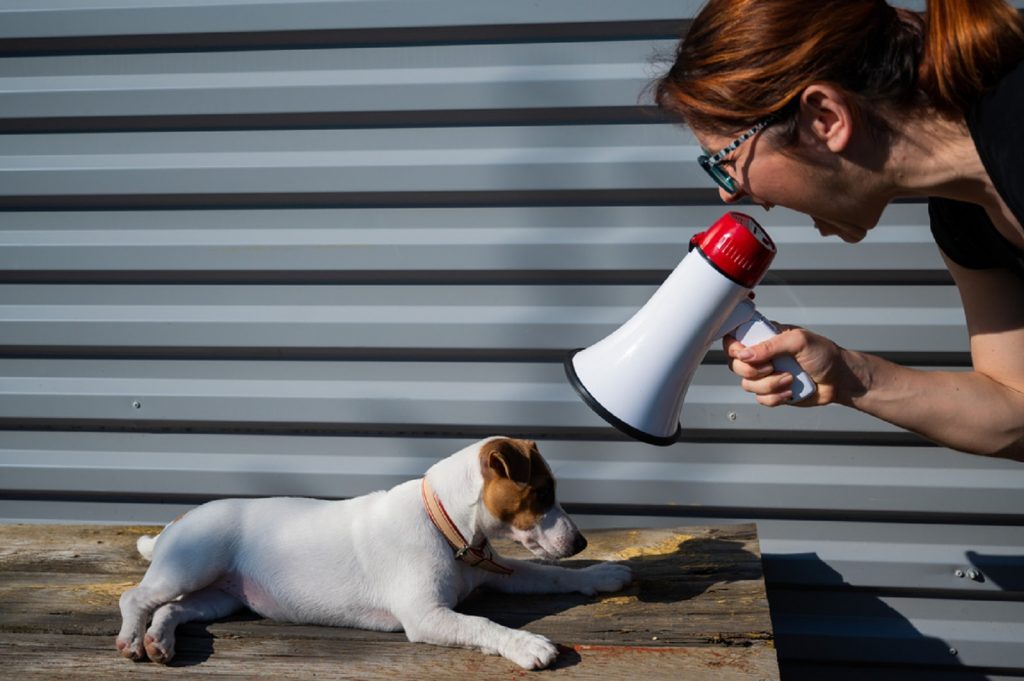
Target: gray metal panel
(903, 556)
(428, 78)
(499, 318)
(57, 18)
(690, 477)
(54, 18)
(485, 159)
(307, 248)
(359, 395)
(442, 241)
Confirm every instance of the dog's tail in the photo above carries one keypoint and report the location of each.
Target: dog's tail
(145, 545)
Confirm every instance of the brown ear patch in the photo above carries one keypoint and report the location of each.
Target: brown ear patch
(518, 486)
(508, 459)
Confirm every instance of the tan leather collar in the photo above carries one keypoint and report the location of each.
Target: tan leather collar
(477, 556)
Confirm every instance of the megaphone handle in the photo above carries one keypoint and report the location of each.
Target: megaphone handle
(758, 329)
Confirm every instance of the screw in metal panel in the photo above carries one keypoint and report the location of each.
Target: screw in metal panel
(953, 651)
(973, 575)
(136, 405)
(959, 573)
(732, 416)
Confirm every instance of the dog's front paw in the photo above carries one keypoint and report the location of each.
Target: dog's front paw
(604, 577)
(131, 648)
(530, 651)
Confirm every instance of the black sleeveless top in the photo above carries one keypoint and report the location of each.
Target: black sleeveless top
(964, 231)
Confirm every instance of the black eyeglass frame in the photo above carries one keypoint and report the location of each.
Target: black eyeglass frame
(711, 163)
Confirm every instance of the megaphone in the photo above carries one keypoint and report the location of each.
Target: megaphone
(636, 378)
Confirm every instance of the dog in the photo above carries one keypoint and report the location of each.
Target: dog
(388, 561)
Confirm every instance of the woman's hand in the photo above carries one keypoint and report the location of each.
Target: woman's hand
(829, 366)
(978, 410)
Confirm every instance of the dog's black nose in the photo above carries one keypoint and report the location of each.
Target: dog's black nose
(579, 544)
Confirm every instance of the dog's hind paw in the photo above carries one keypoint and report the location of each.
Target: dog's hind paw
(159, 651)
(530, 651)
(604, 577)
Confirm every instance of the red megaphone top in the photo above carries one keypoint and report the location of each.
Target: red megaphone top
(737, 247)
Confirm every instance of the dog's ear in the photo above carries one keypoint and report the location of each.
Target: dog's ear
(508, 459)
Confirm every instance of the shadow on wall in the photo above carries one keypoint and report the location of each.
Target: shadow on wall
(1006, 572)
(834, 631)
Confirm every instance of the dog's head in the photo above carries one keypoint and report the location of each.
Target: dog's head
(519, 499)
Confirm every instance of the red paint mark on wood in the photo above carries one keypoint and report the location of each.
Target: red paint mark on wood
(622, 650)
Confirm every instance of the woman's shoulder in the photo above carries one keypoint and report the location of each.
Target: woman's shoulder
(995, 124)
(967, 236)
(964, 231)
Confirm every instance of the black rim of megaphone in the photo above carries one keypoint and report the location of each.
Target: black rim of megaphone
(622, 426)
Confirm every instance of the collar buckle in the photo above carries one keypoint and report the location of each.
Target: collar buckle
(480, 557)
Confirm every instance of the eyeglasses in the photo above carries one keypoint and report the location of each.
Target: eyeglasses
(712, 164)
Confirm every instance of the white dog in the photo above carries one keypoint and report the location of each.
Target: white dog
(390, 561)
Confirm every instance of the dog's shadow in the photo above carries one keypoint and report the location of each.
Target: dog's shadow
(195, 642)
(665, 576)
(672, 574)
(669, 575)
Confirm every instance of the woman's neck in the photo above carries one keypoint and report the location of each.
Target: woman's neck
(936, 156)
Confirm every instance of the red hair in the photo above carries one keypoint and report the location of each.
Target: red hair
(970, 44)
(742, 60)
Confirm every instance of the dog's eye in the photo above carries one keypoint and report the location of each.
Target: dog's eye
(546, 495)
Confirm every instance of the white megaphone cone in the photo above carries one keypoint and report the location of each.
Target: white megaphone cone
(636, 378)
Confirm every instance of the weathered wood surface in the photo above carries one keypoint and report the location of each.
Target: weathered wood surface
(696, 611)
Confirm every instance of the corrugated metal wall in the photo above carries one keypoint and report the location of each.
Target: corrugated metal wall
(254, 248)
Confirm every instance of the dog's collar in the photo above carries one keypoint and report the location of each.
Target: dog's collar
(477, 556)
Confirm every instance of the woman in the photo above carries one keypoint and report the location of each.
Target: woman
(836, 108)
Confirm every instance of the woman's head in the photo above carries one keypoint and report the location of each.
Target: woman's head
(836, 79)
(743, 60)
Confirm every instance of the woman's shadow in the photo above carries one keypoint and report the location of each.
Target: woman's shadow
(828, 628)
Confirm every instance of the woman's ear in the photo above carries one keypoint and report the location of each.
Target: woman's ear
(827, 114)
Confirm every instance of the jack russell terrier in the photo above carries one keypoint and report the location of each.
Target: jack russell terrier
(389, 561)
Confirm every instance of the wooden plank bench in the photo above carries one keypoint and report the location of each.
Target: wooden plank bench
(697, 611)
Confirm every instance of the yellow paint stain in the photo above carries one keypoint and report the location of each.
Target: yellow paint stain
(101, 593)
(140, 529)
(662, 548)
(108, 588)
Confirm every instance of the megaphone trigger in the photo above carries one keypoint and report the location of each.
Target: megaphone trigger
(756, 329)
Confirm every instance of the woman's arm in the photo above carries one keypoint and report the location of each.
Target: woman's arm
(979, 411)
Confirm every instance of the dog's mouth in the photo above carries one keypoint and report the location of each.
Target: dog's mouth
(553, 537)
(543, 554)
(557, 550)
